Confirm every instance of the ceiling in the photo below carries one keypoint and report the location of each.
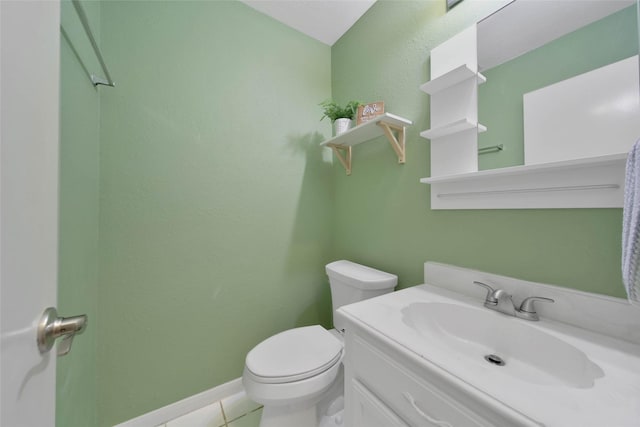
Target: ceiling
(324, 20)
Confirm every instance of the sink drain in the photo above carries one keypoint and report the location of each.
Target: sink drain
(494, 359)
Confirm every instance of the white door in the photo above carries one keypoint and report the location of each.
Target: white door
(29, 75)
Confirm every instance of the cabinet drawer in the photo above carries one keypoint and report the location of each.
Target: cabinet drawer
(369, 411)
(416, 401)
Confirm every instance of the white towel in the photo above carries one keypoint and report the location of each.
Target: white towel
(631, 226)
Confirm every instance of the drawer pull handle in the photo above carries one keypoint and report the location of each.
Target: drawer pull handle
(432, 420)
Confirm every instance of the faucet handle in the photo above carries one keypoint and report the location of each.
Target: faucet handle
(527, 309)
(527, 304)
(491, 298)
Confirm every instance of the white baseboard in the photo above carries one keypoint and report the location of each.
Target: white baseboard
(185, 406)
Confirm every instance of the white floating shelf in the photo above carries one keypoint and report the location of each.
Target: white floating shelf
(384, 124)
(595, 182)
(452, 128)
(367, 131)
(452, 78)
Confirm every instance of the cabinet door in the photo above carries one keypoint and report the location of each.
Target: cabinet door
(371, 412)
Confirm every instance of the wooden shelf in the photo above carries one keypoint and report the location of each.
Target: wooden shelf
(452, 128)
(385, 124)
(452, 78)
(594, 182)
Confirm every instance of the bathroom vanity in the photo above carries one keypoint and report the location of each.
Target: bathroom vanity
(434, 355)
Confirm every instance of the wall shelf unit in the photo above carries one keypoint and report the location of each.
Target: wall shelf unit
(453, 91)
(452, 78)
(452, 128)
(389, 125)
(576, 134)
(594, 182)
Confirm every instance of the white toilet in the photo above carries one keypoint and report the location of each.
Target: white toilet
(297, 374)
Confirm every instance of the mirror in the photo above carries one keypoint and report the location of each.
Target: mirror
(534, 54)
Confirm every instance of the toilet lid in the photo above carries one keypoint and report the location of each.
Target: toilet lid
(294, 355)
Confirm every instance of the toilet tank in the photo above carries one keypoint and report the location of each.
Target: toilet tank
(351, 282)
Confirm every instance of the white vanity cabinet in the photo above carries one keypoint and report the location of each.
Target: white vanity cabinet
(369, 411)
(388, 387)
(422, 357)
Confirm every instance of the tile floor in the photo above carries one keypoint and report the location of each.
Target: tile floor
(233, 411)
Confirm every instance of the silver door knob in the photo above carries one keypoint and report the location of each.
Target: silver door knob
(52, 327)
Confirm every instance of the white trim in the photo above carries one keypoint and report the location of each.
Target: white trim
(185, 406)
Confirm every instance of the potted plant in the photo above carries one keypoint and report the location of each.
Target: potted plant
(341, 117)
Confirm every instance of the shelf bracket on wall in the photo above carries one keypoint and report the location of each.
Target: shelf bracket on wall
(344, 159)
(396, 141)
(385, 124)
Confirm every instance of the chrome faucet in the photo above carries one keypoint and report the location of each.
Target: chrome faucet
(500, 300)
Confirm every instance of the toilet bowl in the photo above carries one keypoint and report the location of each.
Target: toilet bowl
(297, 374)
(293, 366)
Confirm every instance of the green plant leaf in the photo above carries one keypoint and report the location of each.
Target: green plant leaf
(333, 111)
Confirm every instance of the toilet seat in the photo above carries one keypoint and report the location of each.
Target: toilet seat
(293, 355)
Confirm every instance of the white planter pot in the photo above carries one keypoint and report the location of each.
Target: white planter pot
(341, 126)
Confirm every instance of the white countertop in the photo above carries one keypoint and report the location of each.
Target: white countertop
(612, 400)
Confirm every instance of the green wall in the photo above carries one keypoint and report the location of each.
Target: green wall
(215, 209)
(78, 216)
(216, 212)
(500, 105)
(385, 217)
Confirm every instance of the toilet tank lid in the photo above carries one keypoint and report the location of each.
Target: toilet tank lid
(361, 276)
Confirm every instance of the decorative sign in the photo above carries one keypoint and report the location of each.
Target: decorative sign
(367, 112)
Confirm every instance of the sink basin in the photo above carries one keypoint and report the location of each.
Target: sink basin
(482, 338)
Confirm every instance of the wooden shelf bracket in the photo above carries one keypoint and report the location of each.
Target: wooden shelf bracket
(344, 159)
(392, 126)
(396, 141)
